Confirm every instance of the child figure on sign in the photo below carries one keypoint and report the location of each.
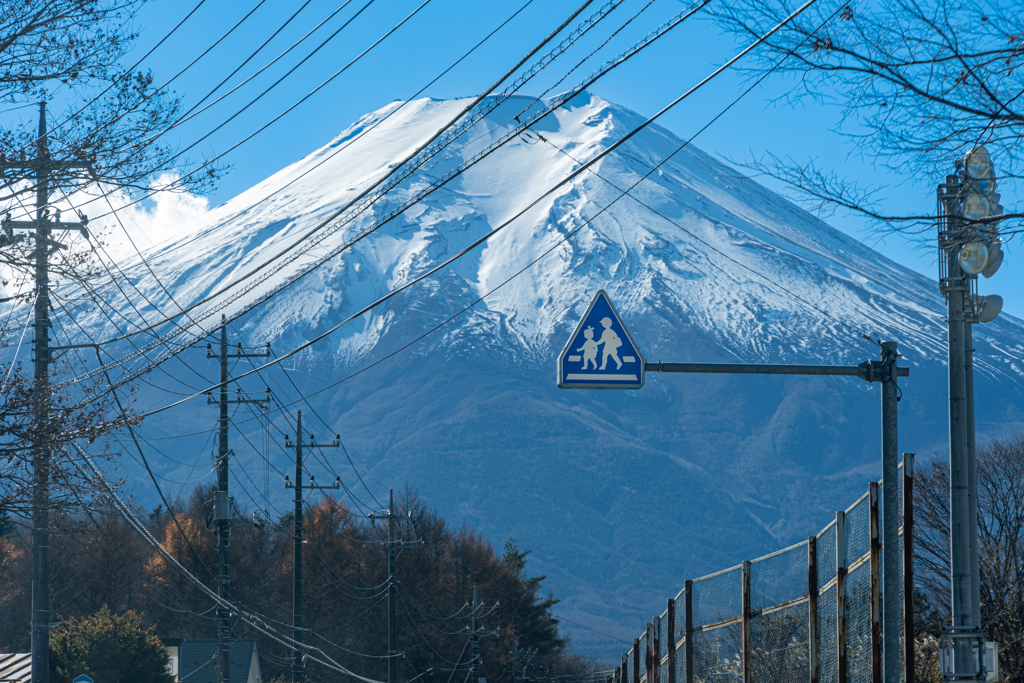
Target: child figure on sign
(589, 348)
(611, 342)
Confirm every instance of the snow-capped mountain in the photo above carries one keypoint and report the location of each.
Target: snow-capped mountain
(620, 495)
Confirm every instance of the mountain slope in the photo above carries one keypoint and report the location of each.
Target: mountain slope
(621, 495)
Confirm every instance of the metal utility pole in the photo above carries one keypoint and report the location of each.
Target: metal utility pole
(41, 231)
(222, 502)
(956, 288)
(298, 673)
(574, 373)
(969, 245)
(972, 470)
(393, 544)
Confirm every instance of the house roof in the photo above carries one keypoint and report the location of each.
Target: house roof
(197, 661)
(16, 667)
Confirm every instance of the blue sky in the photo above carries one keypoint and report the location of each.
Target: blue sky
(439, 34)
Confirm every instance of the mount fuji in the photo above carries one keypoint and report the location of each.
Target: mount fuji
(620, 495)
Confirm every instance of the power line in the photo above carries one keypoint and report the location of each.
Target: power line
(252, 619)
(188, 115)
(283, 113)
(574, 174)
(543, 255)
(360, 134)
(289, 73)
(423, 637)
(341, 443)
(509, 136)
(115, 81)
(139, 145)
(404, 163)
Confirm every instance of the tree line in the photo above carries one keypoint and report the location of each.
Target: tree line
(100, 563)
(1001, 557)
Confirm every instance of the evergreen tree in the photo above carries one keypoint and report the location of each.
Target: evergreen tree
(108, 647)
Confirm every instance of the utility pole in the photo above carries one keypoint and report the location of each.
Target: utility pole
(972, 470)
(527, 654)
(222, 502)
(515, 659)
(475, 675)
(891, 579)
(956, 287)
(969, 245)
(474, 635)
(393, 543)
(298, 673)
(41, 231)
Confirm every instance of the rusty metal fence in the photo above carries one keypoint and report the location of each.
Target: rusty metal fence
(810, 612)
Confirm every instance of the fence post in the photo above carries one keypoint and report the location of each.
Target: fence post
(841, 597)
(745, 579)
(656, 651)
(648, 654)
(636, 660)
(688, 630)
(618, 675)
(876, 593)
(908, 568)
(812, 608)
(625, 668)
(670, 624)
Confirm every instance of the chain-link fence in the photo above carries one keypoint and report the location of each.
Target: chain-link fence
(810, 612)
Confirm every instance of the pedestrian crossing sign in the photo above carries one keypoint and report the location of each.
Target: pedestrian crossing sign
(600, 353)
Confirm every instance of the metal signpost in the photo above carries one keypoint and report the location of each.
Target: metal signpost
(601, 354)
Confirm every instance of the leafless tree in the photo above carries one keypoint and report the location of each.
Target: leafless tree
(921, 83)
(100, 560)
(115, 115)
(112, 128)
(1001, 548)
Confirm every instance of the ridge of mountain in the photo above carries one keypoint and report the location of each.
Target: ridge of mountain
(620, 495)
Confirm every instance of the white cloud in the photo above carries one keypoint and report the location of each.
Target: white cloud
(150, 223)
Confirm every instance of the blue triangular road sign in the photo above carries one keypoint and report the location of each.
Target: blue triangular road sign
(600, 353)
(82, 679)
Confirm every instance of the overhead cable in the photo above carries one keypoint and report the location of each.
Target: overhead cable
(558, 102)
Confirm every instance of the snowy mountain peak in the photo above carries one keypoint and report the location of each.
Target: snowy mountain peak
(693, 238)
(458, 397)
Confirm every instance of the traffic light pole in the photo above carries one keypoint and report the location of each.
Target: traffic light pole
(886, 372)
(298, 669)
(222, 502)
(41, 231)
